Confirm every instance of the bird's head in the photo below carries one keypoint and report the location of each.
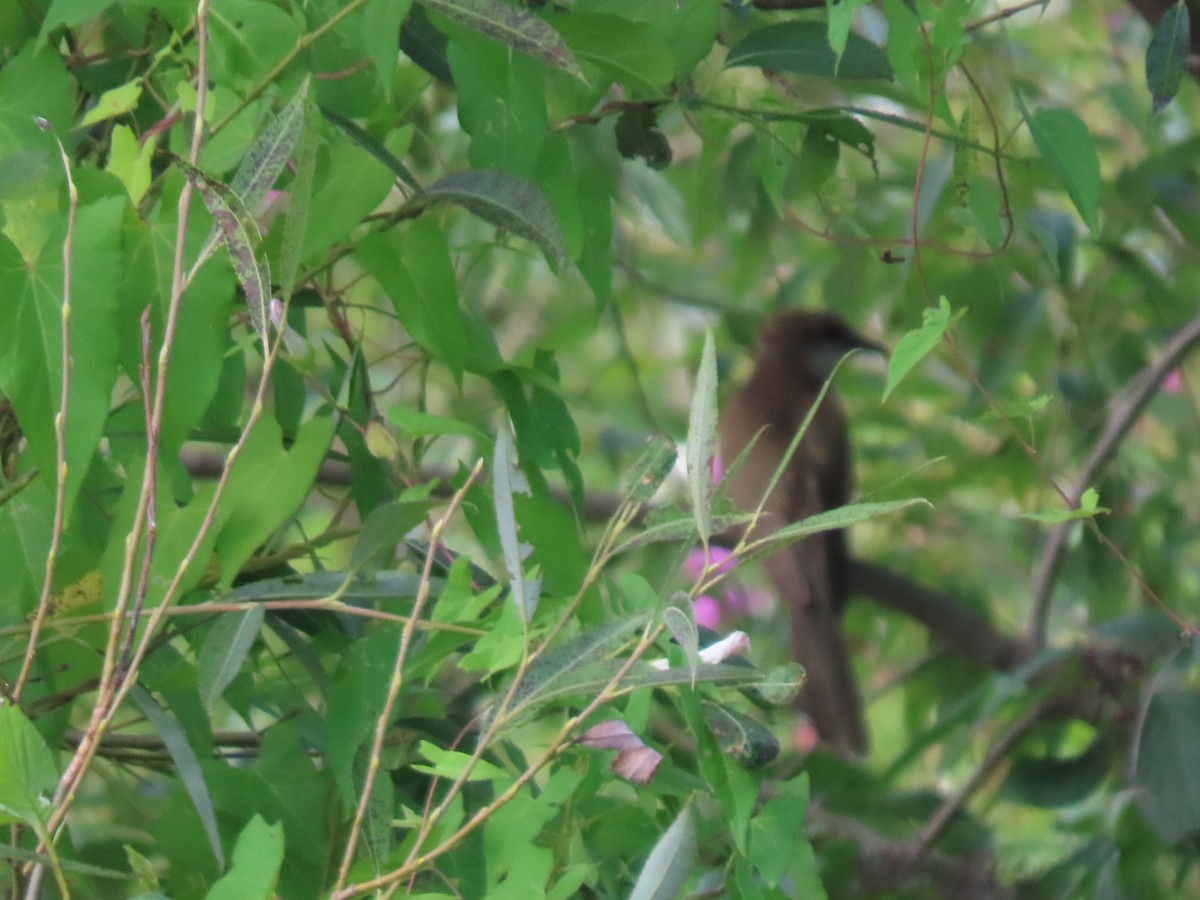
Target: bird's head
(814, 341)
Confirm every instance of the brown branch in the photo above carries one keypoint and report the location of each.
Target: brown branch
(1125, 413)
(962, 630)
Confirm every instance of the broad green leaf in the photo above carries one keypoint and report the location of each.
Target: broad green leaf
(130, 161)
(27, 770)
(915, 345)
(353, 188)
(254, 872)
(1070, 154)
(239, 232)
(669, 865)
(380, 27)
(775, 833)
(506, 201)
(1167, 53)
(803, 48)
(31, 338)
(69, 13)
(630, 53)
(415, 271)
(904, 47)
(115, 102)
(452, 763)
(507, 480)
(225, 650)
(512, 25)
(841, 16)
(702, 439)
(1167, 780)
(175, 739)
(384, 530)
(417, 423)
(266, 486)
(34, 83)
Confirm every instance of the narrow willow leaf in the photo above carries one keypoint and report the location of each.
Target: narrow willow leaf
(652, 468)
(681, 529)
(368, 142)
(681, 622)
(300, 202)
(225, 650)
(270, 152)
(841, 517)
(702, 437)
(319, 585)
(503, 199)
(239, 232)
(508, 479)
(916, 344)
(803, 48)
(511, 25)
(186, 764)
(1166, 55)
(669, 864)
(554, 672)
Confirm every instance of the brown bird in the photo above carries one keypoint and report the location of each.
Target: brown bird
(796, 354)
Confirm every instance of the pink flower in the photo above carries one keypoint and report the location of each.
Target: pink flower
(707, 611)
(1173, 383)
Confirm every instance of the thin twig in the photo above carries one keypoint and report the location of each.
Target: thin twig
(1142, 389)
(397, 681)
(60, 432)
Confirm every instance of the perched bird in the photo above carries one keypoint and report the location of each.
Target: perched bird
(796, 353)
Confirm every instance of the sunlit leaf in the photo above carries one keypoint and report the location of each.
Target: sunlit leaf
(254, 871)
(702, 439)
(915, 345)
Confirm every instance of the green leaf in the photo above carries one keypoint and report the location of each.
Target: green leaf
(667, 868)
(239, 232)
(915, 345)
(175, 739)
(775, 833)
(225, 650)
(31, 338)
(414, 270)
(842, 517)
(319, 585)
(1089, 507)
(380, 27)
(368, 142)
(630, 53)
(383, 531)
(417, 423)
(511, 25)
(841, 15)
(257, 857)
(504, 200)
(803, 48)
(702, 438)
(652, 468)
(266, 486)
(1167, 779)
(1070, 154)
(746, 740)
(1166, 55)
(27, 771)
(295, 222)
(681, 622)
(452, 763)
(116, 102)
(507, 480)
